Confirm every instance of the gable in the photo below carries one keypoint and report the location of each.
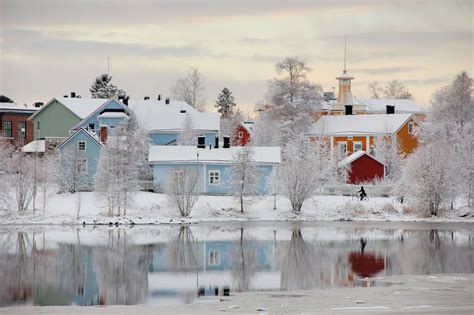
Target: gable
(80, 135)
(112, 106)
(50, 125)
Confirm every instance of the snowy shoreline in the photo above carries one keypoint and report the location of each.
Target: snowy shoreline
(152, 209)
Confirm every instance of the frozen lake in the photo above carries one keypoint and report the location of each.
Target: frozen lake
(173, 264)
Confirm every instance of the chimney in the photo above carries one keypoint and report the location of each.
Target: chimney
(38, 104)
(103, 133)
(146, 98)
(125, 101)
(73, 94)
(226, 142)
(159, 97)
(65, 96)
(167, 101)
(201, 142)
(348, 109)
(216, 144)
(390, 109)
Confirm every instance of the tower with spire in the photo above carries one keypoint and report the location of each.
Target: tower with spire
(344, 95)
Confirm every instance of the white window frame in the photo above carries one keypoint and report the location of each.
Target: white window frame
(241, 134)
(211, 182)
(5, 123)
(411, 125)
(339, 145)
(354, 146)
(79, 145)
(178, 174)
(214, 258)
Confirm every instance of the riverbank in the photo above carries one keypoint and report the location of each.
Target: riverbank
(434, 294)
(152, 208)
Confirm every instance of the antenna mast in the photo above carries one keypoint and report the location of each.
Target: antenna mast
(345, 44)
(108, 65)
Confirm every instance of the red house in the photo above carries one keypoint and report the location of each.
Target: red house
(14, 124)
(363, 167)
(242, 134)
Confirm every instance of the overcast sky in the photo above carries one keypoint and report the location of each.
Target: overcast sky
(51, 47)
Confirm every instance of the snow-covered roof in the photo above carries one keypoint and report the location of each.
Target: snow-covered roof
(157, 115)
(378, 105)
(359, 124)
(248, 125)
(12, 107)
(188, 154)
(356, 155)
(113, 115)
(37, 146)
(82, 107)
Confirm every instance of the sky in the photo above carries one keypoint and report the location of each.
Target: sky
(51, 47)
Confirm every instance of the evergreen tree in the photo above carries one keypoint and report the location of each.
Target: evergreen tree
(225, 103)
(103, 88)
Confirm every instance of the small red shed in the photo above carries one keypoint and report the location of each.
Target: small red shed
(242, 134)
(363, 167)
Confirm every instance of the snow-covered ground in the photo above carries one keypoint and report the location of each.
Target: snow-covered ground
(152, 208)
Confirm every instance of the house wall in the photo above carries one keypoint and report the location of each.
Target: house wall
(95, 120)
(55, 121)
(15, 119)
(161, 173)
(92, 153)
(365, 169)
(408, 142)
(236, 141)
(163, 138)
(110, 122)
(350, 143)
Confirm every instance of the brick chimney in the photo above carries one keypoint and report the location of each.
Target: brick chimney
(103, 134)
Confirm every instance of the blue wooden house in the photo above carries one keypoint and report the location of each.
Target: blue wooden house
(165, 120)
(212, 164)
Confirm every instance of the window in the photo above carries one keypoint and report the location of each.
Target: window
(214, 258)
(38, 125)
(22, 129)
(214, 177)
(81, 145)
(7, 129)
(111, 126)
(91, 126)
(411, 128)
(342, 149)
(357, 146)
(241, 134)
(178, 175)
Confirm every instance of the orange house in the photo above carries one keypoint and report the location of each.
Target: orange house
(351, 133)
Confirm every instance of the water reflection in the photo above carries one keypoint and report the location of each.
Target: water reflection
(177, 264)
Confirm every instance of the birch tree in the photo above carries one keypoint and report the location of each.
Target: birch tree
(298, 173)
(387, 151)
(183, 189)
(48, 173)
(190, 89)
(6, 151)
(73, 175)
(121, 164)
(188, 135)
(244, 175)
(22, 180)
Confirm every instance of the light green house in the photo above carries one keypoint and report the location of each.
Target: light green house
(59, 115)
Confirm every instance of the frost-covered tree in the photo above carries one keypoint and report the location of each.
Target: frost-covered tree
(387, 151)
(183, 189)
(103, 88)
(22, 171)
(188, 135)
(430, 178)
(6, 151)
(48, 173)
(229, 125)
(291, 99)
(225, 103)
(299, 172)
(244, 175)
(73, 175)
(450, 123)
(190, 89)
(266, 132)
(121, 165)
(392, 90)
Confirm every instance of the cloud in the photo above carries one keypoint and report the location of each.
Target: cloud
(386, 70)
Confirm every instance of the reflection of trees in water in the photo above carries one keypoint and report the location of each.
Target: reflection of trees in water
(73, 275)
(243, 262)
(181, 252)
(297, 269)
(435, 251)
(121, 270)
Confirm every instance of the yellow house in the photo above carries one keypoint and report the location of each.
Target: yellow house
(350, 133)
